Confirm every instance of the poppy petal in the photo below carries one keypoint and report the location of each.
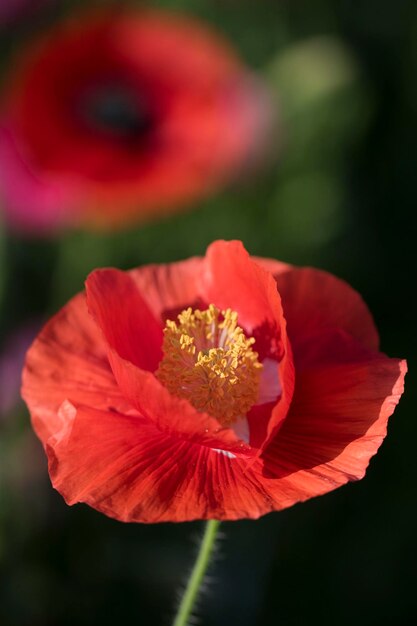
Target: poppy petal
(135, 473)
(29, 202)
(314, 300)
(134, 338)
(337, 422)
(170, 288)
(272, 266)
(233, 280)
(68, 360)
(270, 387)
(171, 414)
(128, 325)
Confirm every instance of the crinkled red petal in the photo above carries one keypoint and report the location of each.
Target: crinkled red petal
(68, 361)
(338, 420)
(170, 288)
(231, 279)
(127, 323)
(313, 301)
(133, 472)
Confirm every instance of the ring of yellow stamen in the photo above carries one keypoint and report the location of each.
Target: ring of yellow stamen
(209, 361)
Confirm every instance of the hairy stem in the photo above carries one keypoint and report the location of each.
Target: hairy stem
(197, 574)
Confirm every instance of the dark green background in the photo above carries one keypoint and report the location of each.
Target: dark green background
(339, 192)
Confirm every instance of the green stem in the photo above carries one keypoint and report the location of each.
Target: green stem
(197, 574)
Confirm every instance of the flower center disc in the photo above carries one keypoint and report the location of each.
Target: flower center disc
(209, 361)
(115, 110)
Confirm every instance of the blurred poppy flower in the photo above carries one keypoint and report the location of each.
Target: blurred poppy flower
(265, 388)
(116, 115)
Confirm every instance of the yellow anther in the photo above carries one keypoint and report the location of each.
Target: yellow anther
(209, 361)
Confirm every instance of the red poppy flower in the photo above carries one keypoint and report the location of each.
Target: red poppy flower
(265, 388)
(124, 113)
